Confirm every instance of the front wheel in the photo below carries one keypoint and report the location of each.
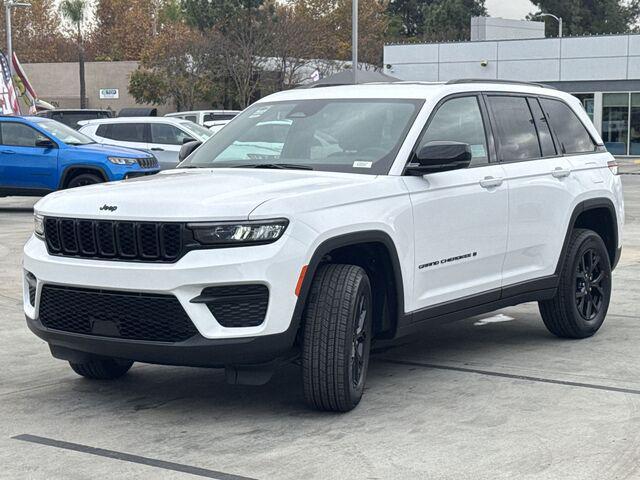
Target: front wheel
(102, 368)
(337, 338)
(581, 303)
(84, 179)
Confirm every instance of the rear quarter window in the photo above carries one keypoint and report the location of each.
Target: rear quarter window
(569, 129)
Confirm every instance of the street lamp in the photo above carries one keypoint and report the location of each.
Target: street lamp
(8, 5)
(559, 19)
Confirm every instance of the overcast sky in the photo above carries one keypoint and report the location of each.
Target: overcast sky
(516, 9)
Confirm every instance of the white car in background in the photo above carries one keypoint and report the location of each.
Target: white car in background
(161, 135)
(206, 118)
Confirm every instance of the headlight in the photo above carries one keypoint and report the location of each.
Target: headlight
(239, 233)
(122, 160)
(38, 226)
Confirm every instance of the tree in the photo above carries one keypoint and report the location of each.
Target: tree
(176, 66)
(450, 19)
(407, 18)
(36, 33)
(73, 11)
(586, 17)
(123, 28)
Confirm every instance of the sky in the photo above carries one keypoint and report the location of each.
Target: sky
(516, 9)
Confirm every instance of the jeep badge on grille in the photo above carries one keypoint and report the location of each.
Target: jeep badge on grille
(111, 208)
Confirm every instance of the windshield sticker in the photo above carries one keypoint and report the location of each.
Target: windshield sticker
(361, 164)
(260, 111)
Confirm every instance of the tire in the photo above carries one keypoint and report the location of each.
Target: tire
(102, 368)
(84, 179)
(582, 300)
(337, 338)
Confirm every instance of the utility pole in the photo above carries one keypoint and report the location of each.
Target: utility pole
(8, 5)
(354, 40)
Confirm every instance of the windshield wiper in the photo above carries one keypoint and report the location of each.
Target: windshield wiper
(282, 166)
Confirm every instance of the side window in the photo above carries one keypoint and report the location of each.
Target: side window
(123, 132)
(517, 136)
(19, 135)
(459, 120)
(544, 134)
(166, 134)
(191, 118)
(572, 134)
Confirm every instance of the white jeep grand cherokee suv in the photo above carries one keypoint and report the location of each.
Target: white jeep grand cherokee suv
(384, 208)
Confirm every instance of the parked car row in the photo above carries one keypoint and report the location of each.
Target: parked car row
(69, 148)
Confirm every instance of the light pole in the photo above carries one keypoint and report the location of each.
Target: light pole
(559, 19)
(8, 5)
(354, 40)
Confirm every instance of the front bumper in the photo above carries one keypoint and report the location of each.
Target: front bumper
(275, 265)
(194, 352)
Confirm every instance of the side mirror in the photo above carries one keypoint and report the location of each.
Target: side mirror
(187, 149)
(441, 157)
(45, 143)
(188, 140)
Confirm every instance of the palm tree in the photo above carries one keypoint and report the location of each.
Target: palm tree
(73, 11)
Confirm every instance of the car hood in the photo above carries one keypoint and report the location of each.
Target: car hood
(192, 195)
(110, 150)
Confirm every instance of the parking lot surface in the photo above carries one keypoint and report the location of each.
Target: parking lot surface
(490, 397)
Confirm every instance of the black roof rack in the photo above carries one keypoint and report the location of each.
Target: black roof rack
(505, 82)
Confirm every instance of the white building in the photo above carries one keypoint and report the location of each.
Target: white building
(603, 70)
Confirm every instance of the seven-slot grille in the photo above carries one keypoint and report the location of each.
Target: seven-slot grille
(114, 240)
(109, 313)
(148, 162)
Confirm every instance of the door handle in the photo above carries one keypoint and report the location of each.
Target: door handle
(491, 182)
(560, 172)
(157, 149)
(8, 152)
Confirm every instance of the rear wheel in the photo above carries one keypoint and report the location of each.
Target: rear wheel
(102, 368)
(337, 338)
(581, 303)
(84, 179)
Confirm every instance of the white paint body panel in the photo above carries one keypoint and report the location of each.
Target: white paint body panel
(516, 228)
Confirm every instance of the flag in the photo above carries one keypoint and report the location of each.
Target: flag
(8, 95)
(29, 92)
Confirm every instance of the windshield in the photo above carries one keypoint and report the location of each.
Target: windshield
(63, 133)
(339, 135)
(198, 131)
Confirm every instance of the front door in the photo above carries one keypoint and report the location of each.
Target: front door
(166, 142)
(460, 216)
(25, 167)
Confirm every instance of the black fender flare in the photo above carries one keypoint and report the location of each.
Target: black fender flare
(349, 239)
(585, 206)
(76, 166)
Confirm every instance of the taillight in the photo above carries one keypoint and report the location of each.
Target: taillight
(613, 166)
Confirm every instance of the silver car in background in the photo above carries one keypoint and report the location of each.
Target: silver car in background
(163, 136)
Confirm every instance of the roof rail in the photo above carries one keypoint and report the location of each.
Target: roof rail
(505, 82)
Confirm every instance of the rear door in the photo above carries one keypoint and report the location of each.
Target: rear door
(23, 165)
(460, 216)
(540, 197)
(126, 134)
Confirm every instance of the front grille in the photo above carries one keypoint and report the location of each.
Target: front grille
(114, 240)
(106, 313)
(148, 162)
(237, 305)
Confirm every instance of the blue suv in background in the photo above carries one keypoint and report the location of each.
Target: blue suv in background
(40, 155)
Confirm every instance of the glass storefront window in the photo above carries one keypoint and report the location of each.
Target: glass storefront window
(615, 122)
(634, 131)
(588, 102)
